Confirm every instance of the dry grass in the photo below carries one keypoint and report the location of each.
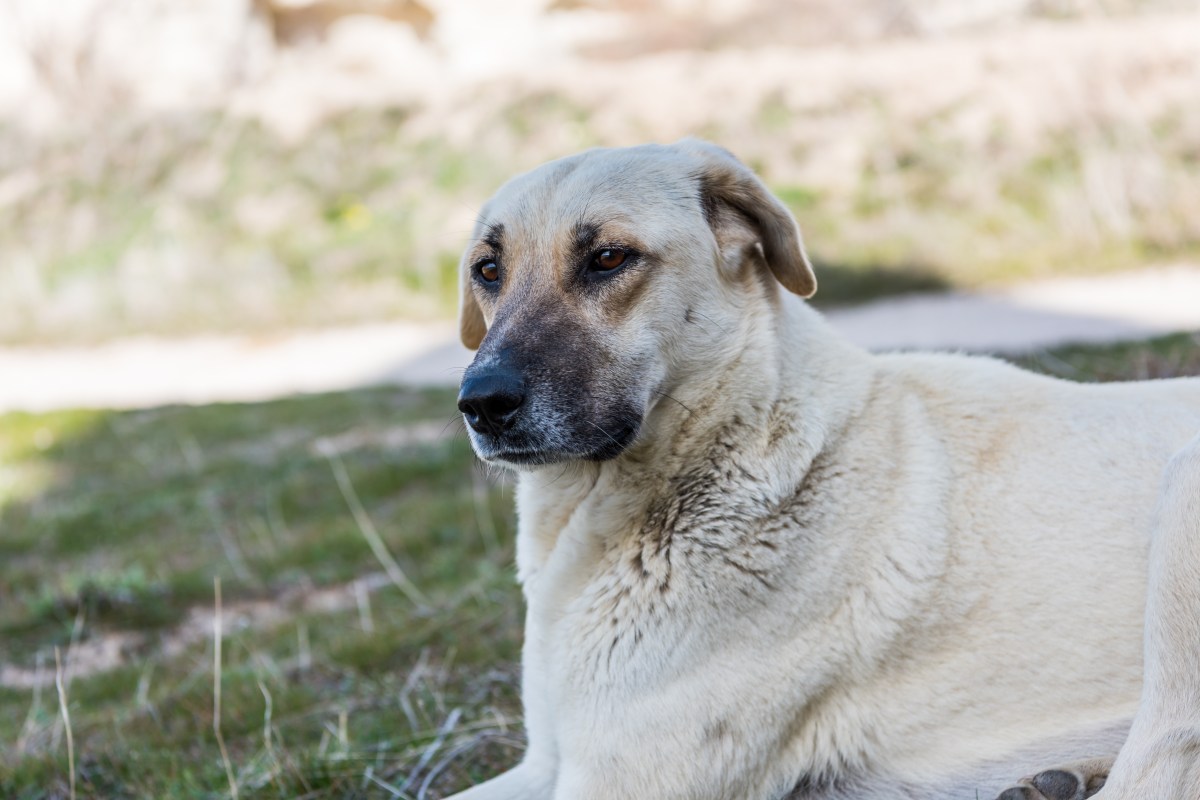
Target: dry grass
(983, 156)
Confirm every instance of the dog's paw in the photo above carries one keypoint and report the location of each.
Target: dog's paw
(1072, 782)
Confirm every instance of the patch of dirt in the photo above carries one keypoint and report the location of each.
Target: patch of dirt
(106, 651)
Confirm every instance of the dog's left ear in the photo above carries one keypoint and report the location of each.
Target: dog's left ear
(727, 184)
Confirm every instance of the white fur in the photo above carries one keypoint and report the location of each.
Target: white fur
(887, 576)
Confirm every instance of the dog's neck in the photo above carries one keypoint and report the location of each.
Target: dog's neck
(787, 384)
(778, 371)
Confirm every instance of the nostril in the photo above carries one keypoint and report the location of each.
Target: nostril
(505, 403)
(489, 401)
(467, 406)
(498, 410)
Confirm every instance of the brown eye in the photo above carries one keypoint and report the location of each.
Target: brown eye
(489, 271)
(609, 259)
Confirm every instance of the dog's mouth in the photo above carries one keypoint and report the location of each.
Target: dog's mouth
(524, 458)
(605, 445)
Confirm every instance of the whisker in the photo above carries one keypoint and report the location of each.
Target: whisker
(566, 468)
(606, 433)
(673, 399)
(452, 420)
(720, 327)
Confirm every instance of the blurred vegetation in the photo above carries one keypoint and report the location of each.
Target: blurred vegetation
(1165, 357)
(337, 682)
(201, 222)
(116, 523)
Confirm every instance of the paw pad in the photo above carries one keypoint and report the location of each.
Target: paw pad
(1057, 784)
(1017, 793)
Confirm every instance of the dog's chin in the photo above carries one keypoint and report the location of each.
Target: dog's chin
(526, 454)
(526, 459)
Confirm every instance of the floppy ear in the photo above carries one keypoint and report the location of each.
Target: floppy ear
(728, 184)
(471, 325)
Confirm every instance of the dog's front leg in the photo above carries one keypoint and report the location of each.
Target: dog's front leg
(650, 750)
(526, 781)
(659, 774)
(1161, 757)
(671, 778)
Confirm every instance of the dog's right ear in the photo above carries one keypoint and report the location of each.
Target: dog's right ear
(733, 194)
(471, 325)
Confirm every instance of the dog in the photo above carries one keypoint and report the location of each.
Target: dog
(760, 562)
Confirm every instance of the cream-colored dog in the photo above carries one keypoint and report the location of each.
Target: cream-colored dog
(762, 563)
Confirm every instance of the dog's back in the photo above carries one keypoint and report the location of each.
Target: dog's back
(1046, 490)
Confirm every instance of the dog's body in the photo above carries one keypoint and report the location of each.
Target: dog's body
(793, 568)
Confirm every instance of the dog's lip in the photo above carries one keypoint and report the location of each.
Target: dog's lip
(528, 457)
(531, 457)
(495, 449)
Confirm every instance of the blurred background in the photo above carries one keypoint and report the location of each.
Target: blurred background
(229, 233)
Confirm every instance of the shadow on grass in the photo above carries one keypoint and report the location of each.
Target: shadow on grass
(845, 285)
(114, 526)
(1174, 356)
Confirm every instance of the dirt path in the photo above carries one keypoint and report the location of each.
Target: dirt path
(148, 372)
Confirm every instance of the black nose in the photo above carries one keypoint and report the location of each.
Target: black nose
(489, 400)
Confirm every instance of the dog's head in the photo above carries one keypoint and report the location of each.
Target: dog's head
(593, 284)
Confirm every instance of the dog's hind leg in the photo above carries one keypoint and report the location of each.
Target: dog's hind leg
(1161, 757)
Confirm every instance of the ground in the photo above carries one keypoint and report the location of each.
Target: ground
(352, 667)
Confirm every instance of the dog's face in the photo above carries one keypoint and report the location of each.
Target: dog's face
(594, 284)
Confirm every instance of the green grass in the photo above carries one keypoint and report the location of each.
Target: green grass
(118, 524)
(114, 524)
(1165, 357)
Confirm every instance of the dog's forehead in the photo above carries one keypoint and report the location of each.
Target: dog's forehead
(631, 186)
